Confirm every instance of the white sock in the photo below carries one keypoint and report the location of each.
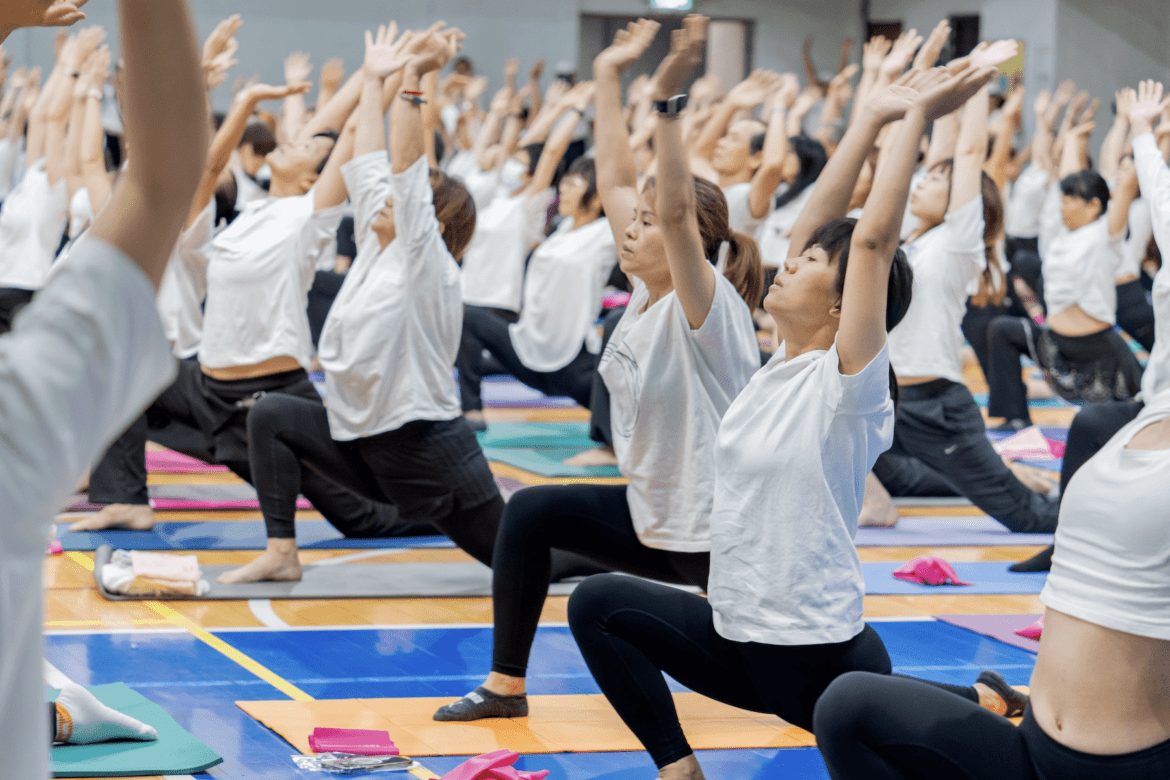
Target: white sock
(82, 719)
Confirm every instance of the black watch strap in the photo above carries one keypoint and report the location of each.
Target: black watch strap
(671, 106)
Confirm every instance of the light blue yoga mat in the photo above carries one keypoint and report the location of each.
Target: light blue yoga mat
(237, 535)
(965, 531)
(536, 434)
(986, 578)
(175, 752)
(507, 391)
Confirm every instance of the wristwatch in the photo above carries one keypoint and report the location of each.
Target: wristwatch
(671, 106)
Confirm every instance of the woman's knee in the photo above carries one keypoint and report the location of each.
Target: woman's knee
(594, 600)
(845, 707)
(1001, 330)
(272, 413)
(528, 510)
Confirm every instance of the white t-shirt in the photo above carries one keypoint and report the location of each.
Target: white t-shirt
(739, 209)
(1133, 247)
(1022, 219)
(1079, 268)
(258, 279)
(83, 361)
(505, 232)
(562, 296)
(389, 343)
(327, 260)
(184, 285)
(790, 463)
(775, 233)
(479, 183)
(1154, 179)
(9, 156)
(669, 387)
(80, 212)
(946, 260)
(247, 190)
(31, 225)
(1112, 561)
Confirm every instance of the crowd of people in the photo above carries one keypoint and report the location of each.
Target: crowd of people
(803, 267)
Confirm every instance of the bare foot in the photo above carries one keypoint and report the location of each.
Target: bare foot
(878, 510)
(598, 456)
(505, 684)
(684, 769)
(279, 563)
(1033, 478)
(126, 517)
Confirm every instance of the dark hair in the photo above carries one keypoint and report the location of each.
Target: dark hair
(813, 158)
(440, 147)
(756, 144)
(835, 238)
(260, 136)
(455, 209)
(325, 159)
(994, 281)
(225, 200)
(465, 64)
(744, 268)
(217, 119)
(1086, 185)
(586, 168)
(534, 152)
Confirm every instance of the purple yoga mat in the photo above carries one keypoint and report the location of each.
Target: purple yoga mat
(172, 462)
(1001, 627)
(504, 391)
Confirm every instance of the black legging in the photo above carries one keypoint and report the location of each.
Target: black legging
(600, 429)
(1135, 315)
(1090, 429)
(631, 632)
(975, 324)
(590, 520)
(484, 330)
(874, 727)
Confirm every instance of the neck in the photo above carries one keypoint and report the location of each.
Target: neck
(739, 177)
(658, 290)
(384, 239)
(283, 188)
(923, 228)
(583, 218)
(797, 343)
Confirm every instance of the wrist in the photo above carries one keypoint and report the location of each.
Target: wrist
(1141, 127)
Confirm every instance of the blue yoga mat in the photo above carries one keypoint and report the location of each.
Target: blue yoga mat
(238, 535)
(986, 578)
(965, 531)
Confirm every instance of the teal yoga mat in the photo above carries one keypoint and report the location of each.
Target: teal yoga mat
(537, 434)
(175, 752)
(547, 461)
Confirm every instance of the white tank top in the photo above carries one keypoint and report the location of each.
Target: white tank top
(1112, 560)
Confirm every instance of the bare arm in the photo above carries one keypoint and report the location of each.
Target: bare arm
(1115, 141)
(617, 174)
(1124, 194)
(997, 165)
(690, 272)
(93, 151)
(406, 125)
(560, 138)
(970, 152)
(943, 140)
(292, 113)
(534, 75)
(165, 112)
(767, 177)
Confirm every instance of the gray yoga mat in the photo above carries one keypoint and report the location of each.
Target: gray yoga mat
(933, 501)
(348, 581)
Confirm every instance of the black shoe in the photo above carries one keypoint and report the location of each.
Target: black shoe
(1041, 561)
(482, 703)
(1016, 702)
(1014, 425)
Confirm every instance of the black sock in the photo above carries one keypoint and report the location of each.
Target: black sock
(1041, 561)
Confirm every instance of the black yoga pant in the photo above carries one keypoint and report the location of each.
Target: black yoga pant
(941, 449)
(485, 330)
(592, 521)
(434, 472)
(974, 326)
(631, 632)
(326, 286)
(12, 300)
(600, 429)
(874, 727)
(1135, 315)
(1090, 429)
(1024, 256)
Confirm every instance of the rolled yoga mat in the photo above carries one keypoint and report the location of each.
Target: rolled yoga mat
(347, 581)
(175, 752)
(943, 531)
(235, 535)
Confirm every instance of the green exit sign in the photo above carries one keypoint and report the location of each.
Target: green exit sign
(671, 5)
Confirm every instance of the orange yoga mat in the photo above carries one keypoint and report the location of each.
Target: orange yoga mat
(557, 724)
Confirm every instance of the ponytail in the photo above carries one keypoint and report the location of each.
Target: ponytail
(744, 267)
(894, 388)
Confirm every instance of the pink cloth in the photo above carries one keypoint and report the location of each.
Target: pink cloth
(165, 566)
(361, 742)
(1033, 631)
(1028, 444)
(496, 765)
(928, 570)
(55, 548)
(615, 300)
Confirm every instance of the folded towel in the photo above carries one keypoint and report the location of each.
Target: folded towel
(496, 765)
(359, 742)
(138, 573)
(928, 570)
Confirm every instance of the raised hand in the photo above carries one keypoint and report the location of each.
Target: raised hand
(901, 54)
(628, 45)
(750, 92)
(332, 74)
(1040, 107)
(1091, 112)
(841, 85)
(1146, 104)
(256, 93)
(874, 51)
(439, 47)
(511, 68)
(687, 45)
(476, 86)
(994, 54)
(943, 90)
(580, 96)
(785, 92)
(219, 51)
(536, 71)
(297, 67)
(929, 53)
(59, 13)
(806, 100)
(385, 51)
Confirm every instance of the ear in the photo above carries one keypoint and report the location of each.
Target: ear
(756, 161)
(1100, 211)
(835, 310)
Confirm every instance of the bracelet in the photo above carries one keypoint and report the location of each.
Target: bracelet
(412, 92)
(412, 98)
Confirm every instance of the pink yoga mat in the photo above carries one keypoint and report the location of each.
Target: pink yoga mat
(1001, 627)
(172, 462)
(81, 505)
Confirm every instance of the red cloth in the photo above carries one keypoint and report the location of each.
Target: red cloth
(928, 570)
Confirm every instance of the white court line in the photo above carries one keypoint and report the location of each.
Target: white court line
(88, 631)
(262, 609)
(54, 677)
(359, 556)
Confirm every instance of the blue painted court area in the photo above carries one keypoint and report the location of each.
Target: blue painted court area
(198, 685)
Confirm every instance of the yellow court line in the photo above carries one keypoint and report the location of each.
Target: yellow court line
(199, 632)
